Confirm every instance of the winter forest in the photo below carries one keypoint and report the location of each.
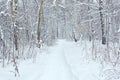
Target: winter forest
(59, 39)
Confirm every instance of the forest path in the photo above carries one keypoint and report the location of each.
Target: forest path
(57, 67)
(63, 61)
(67, 61)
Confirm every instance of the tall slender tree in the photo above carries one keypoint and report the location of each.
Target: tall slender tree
(102, 22)
(14, 4)
(39, 23)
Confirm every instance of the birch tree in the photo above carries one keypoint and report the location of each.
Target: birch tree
(14, 6)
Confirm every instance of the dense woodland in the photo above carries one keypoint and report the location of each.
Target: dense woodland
(29, 24)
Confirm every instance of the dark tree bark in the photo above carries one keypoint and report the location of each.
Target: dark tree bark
(102, 22)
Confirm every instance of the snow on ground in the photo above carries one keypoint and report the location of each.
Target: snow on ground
(64, 61)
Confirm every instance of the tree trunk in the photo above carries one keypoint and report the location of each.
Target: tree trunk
(102, 22)
(14, 22)
(39, 22)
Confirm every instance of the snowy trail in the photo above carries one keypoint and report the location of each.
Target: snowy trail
(66, 62)
(57, 67)
(63, 61)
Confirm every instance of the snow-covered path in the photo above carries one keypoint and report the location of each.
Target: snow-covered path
(66, 62)
(63, 61)
(57, 67)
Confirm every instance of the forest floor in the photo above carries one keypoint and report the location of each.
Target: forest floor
(63, 61)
